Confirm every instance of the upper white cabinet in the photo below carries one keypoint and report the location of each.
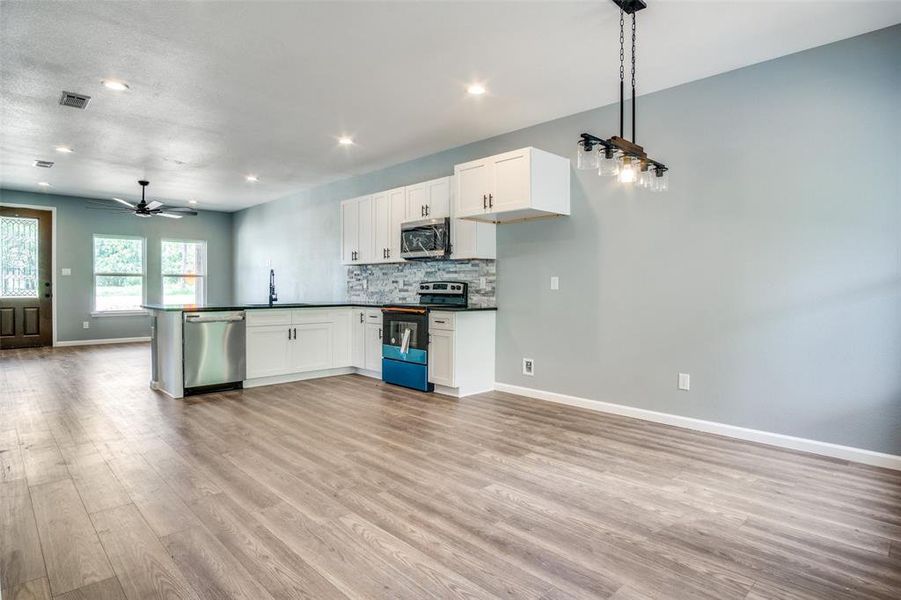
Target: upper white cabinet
(514, 186)
(357, 231)
(428, 200)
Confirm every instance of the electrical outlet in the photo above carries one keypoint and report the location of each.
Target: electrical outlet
(555, 283)
(684, 381)
(66, 271)
(483, 283)
(365, 284)
(528, 366)
(85, 324)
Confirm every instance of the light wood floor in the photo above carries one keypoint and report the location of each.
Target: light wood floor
(345, 487)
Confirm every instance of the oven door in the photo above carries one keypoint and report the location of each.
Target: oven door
(405, 335)
(429, 239)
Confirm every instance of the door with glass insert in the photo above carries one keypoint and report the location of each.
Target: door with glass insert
(26, 286)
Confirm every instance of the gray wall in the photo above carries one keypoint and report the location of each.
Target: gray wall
(75, 228)
(771, 272)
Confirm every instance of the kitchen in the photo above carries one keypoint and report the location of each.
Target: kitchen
(478, 299)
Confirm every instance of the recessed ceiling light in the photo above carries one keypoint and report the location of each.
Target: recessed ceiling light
(64, 149)
(112, 84)
(192, 201)
(345, 141)
(476, 89)
(44, 184)
(252, 178)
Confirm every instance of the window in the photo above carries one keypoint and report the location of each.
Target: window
(118, 274)
(184, 271)
(18, 257)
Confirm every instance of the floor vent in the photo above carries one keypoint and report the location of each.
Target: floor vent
(43, 163)
(74, 100)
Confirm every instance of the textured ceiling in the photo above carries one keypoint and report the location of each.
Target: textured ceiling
(220, 90)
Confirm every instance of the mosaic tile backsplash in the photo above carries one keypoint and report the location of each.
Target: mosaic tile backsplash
(400, 282)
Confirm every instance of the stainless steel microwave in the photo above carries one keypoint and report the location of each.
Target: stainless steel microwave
(428, 239)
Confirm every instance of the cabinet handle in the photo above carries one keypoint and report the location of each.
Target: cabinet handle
(484, 201)
(289, 333)
(361, 317)
(490, 200)
(428, 209)
(442, 322)
(389, 253)
(421, 210)
(295, 333)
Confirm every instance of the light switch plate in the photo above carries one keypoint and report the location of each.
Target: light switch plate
(66, 271)
(555, 283)
(684, 381)
(85, 324)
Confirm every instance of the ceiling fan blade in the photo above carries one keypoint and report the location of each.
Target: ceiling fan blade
(121, 201)
(114, 209)
(187, 211)
(153, 205)
(168, 215)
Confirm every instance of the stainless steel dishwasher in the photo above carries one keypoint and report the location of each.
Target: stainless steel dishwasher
(214, 355)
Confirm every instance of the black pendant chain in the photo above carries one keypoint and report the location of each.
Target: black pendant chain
(634, 137)
(622, 72)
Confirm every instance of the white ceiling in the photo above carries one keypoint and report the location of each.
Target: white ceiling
(220, 90)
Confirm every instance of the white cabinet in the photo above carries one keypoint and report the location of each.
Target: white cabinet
(514, 186)
(373, 347)
(357, 231)
(428, 200)
(311, 347)
(441, 357)
(358, 338)
(267, 350)
(461, 351)
(397, 204)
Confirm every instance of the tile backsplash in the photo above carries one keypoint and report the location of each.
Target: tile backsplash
(400, 282)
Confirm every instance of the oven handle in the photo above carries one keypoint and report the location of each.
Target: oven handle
(419, 311)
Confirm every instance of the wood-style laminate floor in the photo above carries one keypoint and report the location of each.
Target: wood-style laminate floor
(346, 487)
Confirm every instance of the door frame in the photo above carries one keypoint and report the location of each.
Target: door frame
(52, 210)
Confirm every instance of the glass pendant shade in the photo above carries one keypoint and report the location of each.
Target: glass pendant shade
(608, 165)
(628, 170)
(646, 178)
(661, 182)
(586, 160)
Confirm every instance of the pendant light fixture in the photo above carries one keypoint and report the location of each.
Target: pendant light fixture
(617, 156)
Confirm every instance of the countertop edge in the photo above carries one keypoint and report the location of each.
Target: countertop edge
(188, 308)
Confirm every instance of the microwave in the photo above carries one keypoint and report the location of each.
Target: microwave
(424, 240)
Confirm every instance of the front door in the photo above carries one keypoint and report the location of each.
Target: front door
(26, 278)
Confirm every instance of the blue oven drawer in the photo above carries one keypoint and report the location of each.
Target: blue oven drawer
(414, 355)
(408, 374)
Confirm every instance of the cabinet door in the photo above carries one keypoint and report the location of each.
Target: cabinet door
(267, 350)
(512, 183)
(350, 233)
(381, 220)
(474, 181)
(438, 198)
(417, 199)
(341, 332)
(373, 352)
(311, 349)
(441, 357)
(397, 200)
(358, 339)
(366, 251)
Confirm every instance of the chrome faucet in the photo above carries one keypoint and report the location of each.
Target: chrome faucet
(272, 295)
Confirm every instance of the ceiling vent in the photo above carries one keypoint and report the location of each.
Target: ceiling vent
(74, 100)
(43, 163)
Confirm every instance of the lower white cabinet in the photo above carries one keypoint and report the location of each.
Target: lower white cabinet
(373, 347)
(311, 347)
(358, 338)
(267, 350)
(461, 352)
(441, 357)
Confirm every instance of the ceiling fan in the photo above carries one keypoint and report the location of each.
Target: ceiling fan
(146, 209)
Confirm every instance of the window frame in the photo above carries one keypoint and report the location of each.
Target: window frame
(95, 274)
(203, 260)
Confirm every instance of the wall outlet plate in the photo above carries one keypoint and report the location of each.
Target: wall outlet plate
(66, 271)
(684, 381)
(528, 367)
(555, 283)
(85, 324)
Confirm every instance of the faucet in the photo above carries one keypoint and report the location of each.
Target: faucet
(272, 295)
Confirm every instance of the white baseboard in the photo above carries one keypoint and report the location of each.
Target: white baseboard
(104, 341)
(868, 457)
(261, 381)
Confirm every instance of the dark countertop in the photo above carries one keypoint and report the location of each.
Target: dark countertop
(213, 307)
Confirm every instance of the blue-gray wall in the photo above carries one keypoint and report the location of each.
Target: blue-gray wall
(75, 229)
(771, 272)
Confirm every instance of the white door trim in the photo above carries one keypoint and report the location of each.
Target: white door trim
(53, 278)
(860, 455)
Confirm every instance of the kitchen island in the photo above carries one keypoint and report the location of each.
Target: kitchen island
(257, 344)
